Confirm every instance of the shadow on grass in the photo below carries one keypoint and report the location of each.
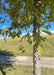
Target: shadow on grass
(3, 66)
(4, 57)
(5, 52)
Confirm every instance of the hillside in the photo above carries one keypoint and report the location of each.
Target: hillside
(13, 45)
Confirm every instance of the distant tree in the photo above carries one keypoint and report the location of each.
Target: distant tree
(24, 13)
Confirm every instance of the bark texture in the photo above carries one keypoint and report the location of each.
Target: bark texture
(36, 62)
(36, 57)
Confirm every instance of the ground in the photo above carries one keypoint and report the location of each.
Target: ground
(13, 46)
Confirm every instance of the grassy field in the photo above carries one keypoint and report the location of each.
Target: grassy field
(49, 50)
(47, 71)
(15, 69)
(22, 70)
(11, 47)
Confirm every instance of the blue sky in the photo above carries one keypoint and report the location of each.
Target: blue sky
(23, 32)
(9, 23)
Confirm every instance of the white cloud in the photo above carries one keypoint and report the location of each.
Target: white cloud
(42, 33)
(52, 32)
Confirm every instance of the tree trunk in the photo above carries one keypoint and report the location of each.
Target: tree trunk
(36, 58)
(36, 62)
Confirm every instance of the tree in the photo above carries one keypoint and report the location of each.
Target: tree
(23, 14)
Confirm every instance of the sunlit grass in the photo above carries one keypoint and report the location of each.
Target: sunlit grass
(22, 70)
(13, 46)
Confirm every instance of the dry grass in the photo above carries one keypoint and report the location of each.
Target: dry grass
(13, 45)
(6, 69)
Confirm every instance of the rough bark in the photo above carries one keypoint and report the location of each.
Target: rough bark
(36, 58)
(36, 62)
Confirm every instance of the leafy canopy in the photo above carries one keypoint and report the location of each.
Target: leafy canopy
(21, 13)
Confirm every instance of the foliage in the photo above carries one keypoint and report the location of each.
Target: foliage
(2, 31)
(21, 48)
(21, 13)
(46, 31)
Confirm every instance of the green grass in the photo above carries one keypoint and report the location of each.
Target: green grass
(47, 71)
(6, 69)
(15, 69)
(49, 50)
(13, 46)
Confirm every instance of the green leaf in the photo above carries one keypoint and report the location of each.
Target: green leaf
(29, 17)
(30, 41)
(47, 43)
(37, 39)
(0, 31)
(46, 31)
(22, 49)
(33, 43)
(19, 21)
(4, 27)
(5, 39)
(40, 49)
